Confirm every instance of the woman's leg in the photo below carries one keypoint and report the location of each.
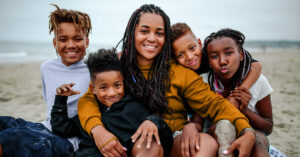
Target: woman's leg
(208, 146)
(155, 150)
(260, 148)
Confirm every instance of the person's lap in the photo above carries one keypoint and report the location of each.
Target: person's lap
(23, 138)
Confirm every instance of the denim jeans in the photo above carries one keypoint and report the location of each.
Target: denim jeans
(27, 139)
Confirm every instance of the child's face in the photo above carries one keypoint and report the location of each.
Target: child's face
(187, 51)
(224, 57)
(70, 43)
(108, 86)
(149, 37)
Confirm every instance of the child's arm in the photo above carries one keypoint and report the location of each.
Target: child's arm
(263, 120)
(61, 124)
(253, 75)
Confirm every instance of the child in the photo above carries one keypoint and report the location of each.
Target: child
(187, 50)
(23, 138)
(121, 113)
(230, 64)
(165, 86)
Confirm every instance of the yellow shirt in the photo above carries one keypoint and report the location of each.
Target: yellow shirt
(186, 88)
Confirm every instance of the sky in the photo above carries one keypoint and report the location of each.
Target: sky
(27, 20)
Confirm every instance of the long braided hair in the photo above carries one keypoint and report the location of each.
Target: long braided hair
(151, 91)
(245, 64)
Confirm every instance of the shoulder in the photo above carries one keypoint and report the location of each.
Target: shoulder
(261, 87)
(51, 63)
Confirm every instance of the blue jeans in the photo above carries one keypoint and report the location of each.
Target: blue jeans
(22, 138)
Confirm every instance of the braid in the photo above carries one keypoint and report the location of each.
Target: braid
(151, 91)
(244, 67)
(81, 20)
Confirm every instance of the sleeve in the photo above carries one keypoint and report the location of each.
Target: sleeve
(89, 111)
(61, 124)
(208, 103)
(264, 88)
(43, 83)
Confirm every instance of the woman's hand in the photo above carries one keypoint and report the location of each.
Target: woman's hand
(66, 90)
(146, 130)
(243, 144)
(107, 143)
(243, 95)
(190, 140)
(233, 101)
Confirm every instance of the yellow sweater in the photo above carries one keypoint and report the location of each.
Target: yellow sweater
(186, 86)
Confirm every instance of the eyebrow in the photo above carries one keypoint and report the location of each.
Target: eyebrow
(149, 27)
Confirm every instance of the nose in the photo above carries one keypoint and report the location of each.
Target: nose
(223, 60)
(111, 92)
(70, 44)
(189, 56)
(151, 37)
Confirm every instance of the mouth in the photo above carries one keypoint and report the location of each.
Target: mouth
(194, 62)
(224, 71)
(150, 47)
(71, 53)
(113, 99)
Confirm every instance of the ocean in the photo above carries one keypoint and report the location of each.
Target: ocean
(34, 51)
(40, 51)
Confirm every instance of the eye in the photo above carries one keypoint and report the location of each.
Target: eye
(103, 88)
(160, 34)
(213, 57)
(118, 85)
(62, 40)
(78, 39)
(179, 55)
(192, 48)
(228, 53)
(144, 31)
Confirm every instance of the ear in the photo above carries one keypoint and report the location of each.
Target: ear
(93, 88)
(54, 42)
(200, 43)
(242, 55)
(87, 42)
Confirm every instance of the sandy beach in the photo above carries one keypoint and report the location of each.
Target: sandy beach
(21, 95)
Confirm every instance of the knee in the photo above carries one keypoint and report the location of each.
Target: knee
(208, 141)
(225, 132)
(143, 151)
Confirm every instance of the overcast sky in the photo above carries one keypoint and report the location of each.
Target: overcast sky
(27, 20)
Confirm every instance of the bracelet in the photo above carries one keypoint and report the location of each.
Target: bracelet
(113, 138)
(248, 129)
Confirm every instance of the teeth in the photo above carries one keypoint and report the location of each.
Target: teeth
(150, 47)
(71, 53)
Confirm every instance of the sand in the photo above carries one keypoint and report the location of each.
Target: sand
(21, 95)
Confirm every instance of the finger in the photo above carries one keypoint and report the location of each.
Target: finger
(72, 84)
(69, 87)
(136, 135)
(75, 92)
(230, 149)
(186, 149)
(157, 137)
(149, 139)
(142, 138)
(121, 149)
(193, 146)
(58, 90)
(198, 142)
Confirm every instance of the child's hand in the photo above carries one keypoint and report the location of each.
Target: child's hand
(146, 130)
(66, 90)
(190, 140)
(243, 95)
(233, 101)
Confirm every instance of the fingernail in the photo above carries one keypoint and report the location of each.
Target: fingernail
(125, 148)
(139, 146)
(148, 146)
(225, 152)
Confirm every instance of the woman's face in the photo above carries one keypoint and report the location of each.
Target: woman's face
(149, 37)
(224, 57)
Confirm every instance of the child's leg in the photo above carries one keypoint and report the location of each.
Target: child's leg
(155, 150)
(10, 122)
(260, 148)
(208, 146)
(225, 133)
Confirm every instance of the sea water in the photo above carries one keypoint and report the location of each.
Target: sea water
(34, 51)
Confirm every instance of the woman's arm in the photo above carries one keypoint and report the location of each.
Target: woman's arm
(89, 112)
(253, 75)
(263, 120)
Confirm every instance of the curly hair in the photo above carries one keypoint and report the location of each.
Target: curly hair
(151, 91)
(101, 61)
(81, 20)
(179, 30)
(245, 64)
